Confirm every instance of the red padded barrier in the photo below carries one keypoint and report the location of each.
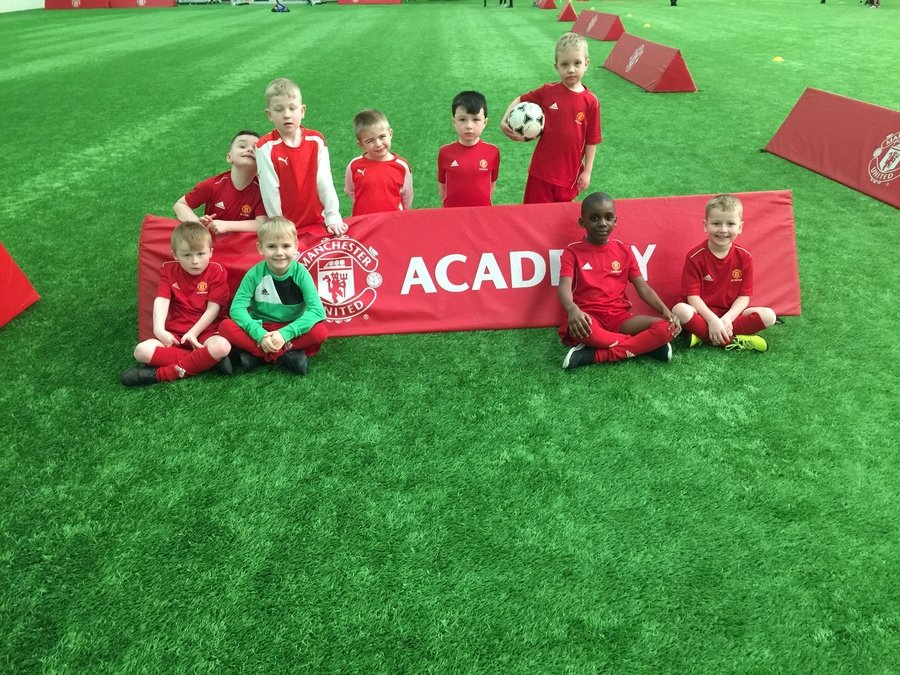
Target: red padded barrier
(16, 292)
(567, 13)
(433, 270)
(651, 66)
(369, 2)
(598, 25)
(850, 141)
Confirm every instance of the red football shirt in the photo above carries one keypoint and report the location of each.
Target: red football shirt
(189, 294)
(571, 121)
(219, 196)
(468, 172)
(375, 186)
(718, 281)
(600, 274)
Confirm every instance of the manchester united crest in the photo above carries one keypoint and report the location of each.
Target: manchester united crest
(635, 57)
(346, 276)
(885, 163)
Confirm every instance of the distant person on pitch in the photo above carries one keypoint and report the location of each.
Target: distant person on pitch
(593, 276)
(468, 168)
(295, 168)
(231, 200)
(563, 158)
(717, 283)
(191, 292)
(378, 180)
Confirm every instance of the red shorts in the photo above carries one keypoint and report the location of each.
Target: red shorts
(202, 338)
(539, 191)
(610, 321)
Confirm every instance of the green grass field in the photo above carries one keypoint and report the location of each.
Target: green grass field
(443, 502)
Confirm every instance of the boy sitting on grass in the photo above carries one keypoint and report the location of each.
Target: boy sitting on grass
(191, 292)
(593, 276)
(717, 283)
(231, 200)
(276, 314)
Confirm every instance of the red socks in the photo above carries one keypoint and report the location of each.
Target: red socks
(192, 363)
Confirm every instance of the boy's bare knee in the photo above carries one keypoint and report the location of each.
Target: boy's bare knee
(683, 311)
(767, 314)
(144, 351)
(218, 347)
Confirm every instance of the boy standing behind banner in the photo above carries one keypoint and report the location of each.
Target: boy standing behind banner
(295, 168)
(231, 201)
(563, 159)
(468, 169)
(379, 181)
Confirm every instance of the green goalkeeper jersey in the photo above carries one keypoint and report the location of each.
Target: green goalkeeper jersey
(291, 299)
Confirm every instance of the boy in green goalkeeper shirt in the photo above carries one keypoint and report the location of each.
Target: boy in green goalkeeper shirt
(276, 314)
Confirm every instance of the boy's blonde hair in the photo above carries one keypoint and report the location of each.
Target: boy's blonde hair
(193, 235)
(725, 203)
(276, 226)
(368, 118)
(281, 86)
(571, 41)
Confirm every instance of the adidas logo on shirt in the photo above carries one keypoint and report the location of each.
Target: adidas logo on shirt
(220, 205)
(454, 163)
(707, 278)
(587, 266)
(553, 106)
(175, 285)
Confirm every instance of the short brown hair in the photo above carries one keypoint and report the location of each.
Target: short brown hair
(368, 118)
(725, 203)
(192, 234)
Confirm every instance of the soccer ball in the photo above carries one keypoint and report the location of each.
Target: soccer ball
(527, 120)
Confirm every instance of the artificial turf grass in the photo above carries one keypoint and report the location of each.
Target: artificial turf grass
(440, 502)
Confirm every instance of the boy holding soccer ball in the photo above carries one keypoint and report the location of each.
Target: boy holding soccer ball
(468, 169)
(564, 156)
(378, 180)
(593, 276)
(295, 168)
(717, 282)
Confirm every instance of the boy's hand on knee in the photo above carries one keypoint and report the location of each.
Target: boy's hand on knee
(165, 337)
(674, 323)
(718, 334)
(579, 324)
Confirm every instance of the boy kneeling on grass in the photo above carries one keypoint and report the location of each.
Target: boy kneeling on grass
(190, 294)
(717, 283)
(593, 276)
(276, 314)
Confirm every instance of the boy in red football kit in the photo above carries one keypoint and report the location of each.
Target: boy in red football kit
(717, 283)
(564, 156)
(231, 200)
(468, 169)
(295, 168)
(379, 180)
(191, 292)
(593, 276)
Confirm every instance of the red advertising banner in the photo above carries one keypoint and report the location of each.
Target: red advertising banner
(850, 141)
(16, 292)
(137, 4)
(598, 25)
(479, 268)
(651, 66)
(76, 4)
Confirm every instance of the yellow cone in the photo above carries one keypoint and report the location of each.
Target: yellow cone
(646, 25)
(778, 59)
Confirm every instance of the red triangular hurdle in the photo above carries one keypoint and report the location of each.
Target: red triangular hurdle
(546, 4)
(16, 292)
(568, 13)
